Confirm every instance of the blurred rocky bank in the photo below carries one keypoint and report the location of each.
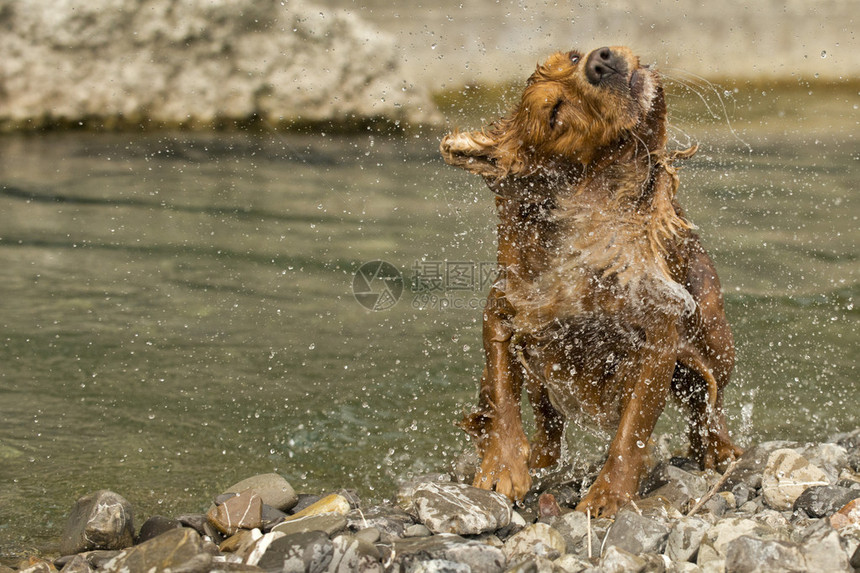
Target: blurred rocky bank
(164, 63)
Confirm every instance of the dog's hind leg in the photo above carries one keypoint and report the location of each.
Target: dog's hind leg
(549, 422)
(694, 384)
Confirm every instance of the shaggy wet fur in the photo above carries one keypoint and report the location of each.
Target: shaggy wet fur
(608, 302)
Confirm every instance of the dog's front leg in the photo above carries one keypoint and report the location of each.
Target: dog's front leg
(497, 425)
(645, 377)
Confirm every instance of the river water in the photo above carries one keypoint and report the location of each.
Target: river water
(178, 310)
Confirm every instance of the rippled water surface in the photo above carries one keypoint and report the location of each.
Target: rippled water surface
(177, 310)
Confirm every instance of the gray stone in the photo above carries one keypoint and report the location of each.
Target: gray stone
(822, 548)
(437, 566)
(309, 552)
(685, 537)
(255, 552)
(685, 567)
(406, 488)
(636, 534)
(305, 500)
(617, 560)
(101, 520)
(368, 534)
(824, 500)
(775, 521)
(713, 545)
(460, 509)
(741, 491)
(417, 530)
(851, 442)
(78, 564)
(691, 486)
(200, 523)
(830, 458)
(786, 475)
(717, 505)
(746, 554)
(350, 555)
(574, 528)
(391, 521)
(272, 488)
(95, 558)
(855, 558)
(571, 564)
(480, 557)
(198, 63)
(155, 526)
(176, 550)
(537, 539)
(752, 506)
(751, 464)
(36, 565)
(531, 564)
(329, 523)
(270, 517)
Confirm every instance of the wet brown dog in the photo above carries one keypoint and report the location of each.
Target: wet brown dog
(608, 302)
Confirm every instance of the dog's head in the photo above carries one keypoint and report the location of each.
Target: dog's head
(576, 108)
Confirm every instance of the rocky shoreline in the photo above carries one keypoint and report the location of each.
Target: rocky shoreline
(158, 64)
(783, 506)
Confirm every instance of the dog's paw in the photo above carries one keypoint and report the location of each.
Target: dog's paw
(610, 491)
(514, 483)
(603, 501)
(468, 144)
(505, 469)
(472, 151)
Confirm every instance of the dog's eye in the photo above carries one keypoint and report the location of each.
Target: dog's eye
(574, 58)
(553, 115)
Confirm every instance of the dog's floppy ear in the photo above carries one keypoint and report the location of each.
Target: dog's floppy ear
(474, 151)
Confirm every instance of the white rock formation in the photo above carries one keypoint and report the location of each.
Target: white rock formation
(197, 63)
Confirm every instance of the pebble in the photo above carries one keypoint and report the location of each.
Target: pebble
(822, 548)
(684, 539)
(101, 520)
(391, 521)
(334, 503)
(617, 560)
(746, 554)
(480, 557)
(155, 526)
(748, 526)
(786, 476)
(847, 516)
(310, 551)
(329, 523)
(78, 564)
(241, 511)
(177, 550)
(636, 533)
(824, 500)
(536, 539)
(460, 509)
(273, 489)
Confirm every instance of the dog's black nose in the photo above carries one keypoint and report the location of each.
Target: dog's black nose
(603, 63)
